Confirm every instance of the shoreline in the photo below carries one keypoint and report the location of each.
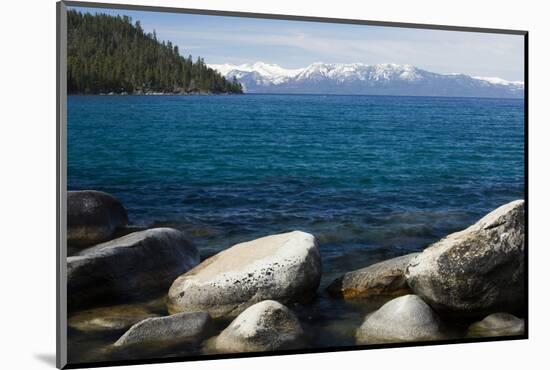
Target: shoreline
(112, 93)
(297, 94)
(281, 272)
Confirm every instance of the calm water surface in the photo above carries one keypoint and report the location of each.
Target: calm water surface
(371, 177)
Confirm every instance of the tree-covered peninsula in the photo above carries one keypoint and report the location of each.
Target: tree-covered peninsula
(111, 54)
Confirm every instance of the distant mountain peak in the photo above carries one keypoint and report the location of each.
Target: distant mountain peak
(271, 73)
(498, 81)
(360, 78)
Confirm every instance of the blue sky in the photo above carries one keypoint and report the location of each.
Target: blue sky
(294, 44)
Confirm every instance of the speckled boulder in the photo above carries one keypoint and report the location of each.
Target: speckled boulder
(404, 319)
(475, 271)
(283, 267)
(93, 217)
(265, 326)
(386, 278)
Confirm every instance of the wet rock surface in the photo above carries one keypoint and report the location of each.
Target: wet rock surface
(134, 266)
(109, 319)
(497, 325)
(93, 217)
(386, 278)
(169, 330)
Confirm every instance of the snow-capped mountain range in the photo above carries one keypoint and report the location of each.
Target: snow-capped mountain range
(358, 78)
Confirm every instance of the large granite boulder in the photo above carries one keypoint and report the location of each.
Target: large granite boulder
(497, 325)
(386, 278)
(93, 217)
(475, 271)
(265, 326)
(404, 319)
(137, 265)
(179, 328)
(283, 267)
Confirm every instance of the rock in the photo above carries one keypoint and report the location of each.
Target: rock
(109, 319)
(386, 278)
(497, 325)
(93, 217)
(475, 271)
(283, 267)
(264, 326)
(137, 265)
(404, 319)
(178, 328)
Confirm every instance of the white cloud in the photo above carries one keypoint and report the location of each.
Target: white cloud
(439, 51)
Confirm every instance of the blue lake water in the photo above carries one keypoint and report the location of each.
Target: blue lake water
(370, 176)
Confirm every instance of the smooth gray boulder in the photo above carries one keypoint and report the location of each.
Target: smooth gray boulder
(109, 319)
(403, 319)
(283, 267)
(178, 328)
(137, 265)
(93, 217)
(264, 326)
(497, 325)
(475, 271)
(386, 278)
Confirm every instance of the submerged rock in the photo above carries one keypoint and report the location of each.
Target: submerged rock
(107, 319)
(404, 319)
(134, 266)
(264, 326)
(93, 217)
(477, 270)
(285, 267)
(178, 328)
(386, 278)
(497, 325)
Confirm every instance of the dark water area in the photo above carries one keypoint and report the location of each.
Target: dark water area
(372, 177)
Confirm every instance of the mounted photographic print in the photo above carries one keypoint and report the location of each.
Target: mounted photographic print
(235, 184)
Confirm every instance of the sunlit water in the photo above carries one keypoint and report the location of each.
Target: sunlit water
(371, 177)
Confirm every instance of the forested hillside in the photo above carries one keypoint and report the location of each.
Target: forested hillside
(111, 54)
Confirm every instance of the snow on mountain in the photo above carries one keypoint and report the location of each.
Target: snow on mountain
(264, 73)
(498, 81)
(359, 71)
(359, 78)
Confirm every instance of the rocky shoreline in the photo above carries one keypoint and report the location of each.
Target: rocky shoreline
(244, 299)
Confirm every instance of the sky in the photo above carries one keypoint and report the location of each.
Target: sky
(293, 44)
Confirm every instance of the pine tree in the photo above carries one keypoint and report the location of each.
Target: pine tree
(107, 53)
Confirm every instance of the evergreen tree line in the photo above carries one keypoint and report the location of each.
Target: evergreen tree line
(111, 54)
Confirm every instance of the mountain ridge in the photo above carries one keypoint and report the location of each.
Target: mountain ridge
(360, 78)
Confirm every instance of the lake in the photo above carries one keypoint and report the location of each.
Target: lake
(371, 177)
